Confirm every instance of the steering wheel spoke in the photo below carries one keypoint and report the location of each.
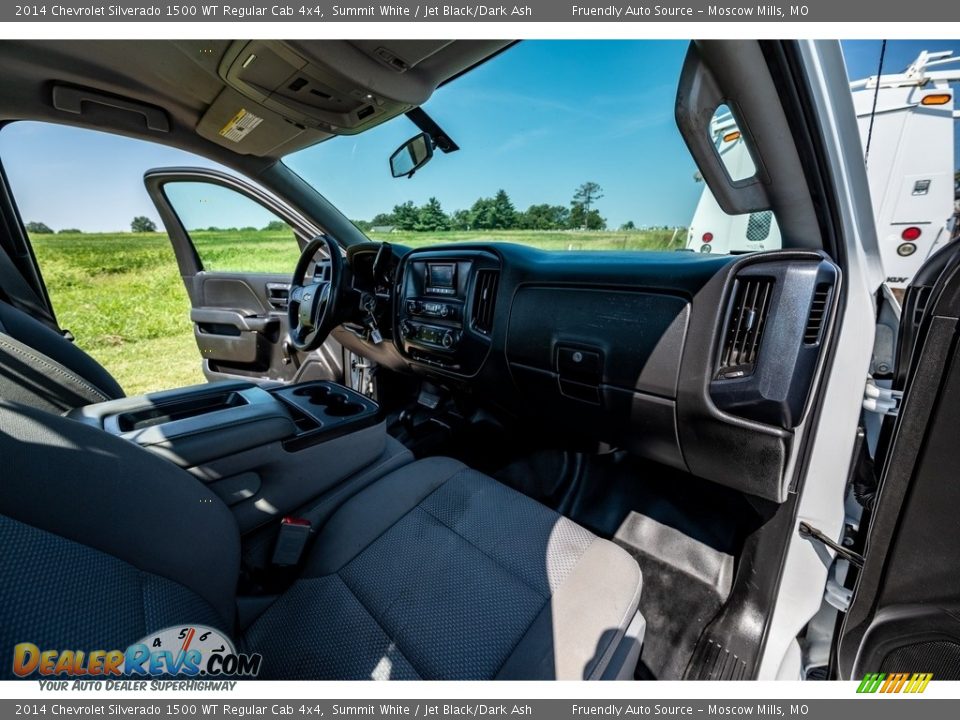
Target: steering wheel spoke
(312, 309)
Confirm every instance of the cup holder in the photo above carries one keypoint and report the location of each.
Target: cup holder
(323, 405)
(316, 394)
(334, 404)
(340, 406)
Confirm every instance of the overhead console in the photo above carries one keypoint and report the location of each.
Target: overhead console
(445, 307)
(308, 92)
(340, 87)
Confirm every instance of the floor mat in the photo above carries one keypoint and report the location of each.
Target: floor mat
(685, 583)
(684, 532)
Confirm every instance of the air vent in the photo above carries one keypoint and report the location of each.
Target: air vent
(485, 300)
(744, 330)
(818, 310)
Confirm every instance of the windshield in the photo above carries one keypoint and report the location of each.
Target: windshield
(563, 145)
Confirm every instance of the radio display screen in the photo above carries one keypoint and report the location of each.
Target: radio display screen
(440, 276)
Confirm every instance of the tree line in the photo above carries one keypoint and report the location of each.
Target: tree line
(140, 224)
(486, 213)
(143, 224)
(497, 213)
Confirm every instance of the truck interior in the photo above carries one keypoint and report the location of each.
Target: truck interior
(509, 462)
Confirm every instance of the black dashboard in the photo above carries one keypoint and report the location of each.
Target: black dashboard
(704, 363)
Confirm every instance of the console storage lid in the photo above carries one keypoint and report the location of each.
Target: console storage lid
(194, 425)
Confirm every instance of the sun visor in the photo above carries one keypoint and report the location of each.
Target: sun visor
(248, 128)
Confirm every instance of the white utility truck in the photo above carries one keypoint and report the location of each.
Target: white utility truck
(910, 166)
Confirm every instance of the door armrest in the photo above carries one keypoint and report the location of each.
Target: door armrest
(240, 320)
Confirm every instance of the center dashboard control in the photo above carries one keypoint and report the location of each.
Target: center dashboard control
(438, 299)
(433, 335)
(428, 308)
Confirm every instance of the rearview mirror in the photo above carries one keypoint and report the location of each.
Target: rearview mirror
(411, 156)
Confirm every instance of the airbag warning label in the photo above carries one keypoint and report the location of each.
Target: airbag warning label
(240, 126)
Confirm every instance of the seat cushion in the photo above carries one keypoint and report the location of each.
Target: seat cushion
(437, 571)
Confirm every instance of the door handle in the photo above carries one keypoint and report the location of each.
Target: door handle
(278, 295)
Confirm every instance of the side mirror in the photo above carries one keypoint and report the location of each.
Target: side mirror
(411, 156)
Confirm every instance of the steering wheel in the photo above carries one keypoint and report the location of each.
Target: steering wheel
(312, 311)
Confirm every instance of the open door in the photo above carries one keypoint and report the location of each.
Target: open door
(904, 616)
(236, 248)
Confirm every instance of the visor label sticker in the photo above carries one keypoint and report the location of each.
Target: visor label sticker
(240, 126)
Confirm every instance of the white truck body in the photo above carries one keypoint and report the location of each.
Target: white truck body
(910, 167)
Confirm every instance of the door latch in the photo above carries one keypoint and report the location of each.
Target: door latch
(881, 400)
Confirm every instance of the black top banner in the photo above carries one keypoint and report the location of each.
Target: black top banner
(530, 11)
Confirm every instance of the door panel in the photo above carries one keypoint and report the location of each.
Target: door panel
(905, 612)
(240, 324)
(239, 316)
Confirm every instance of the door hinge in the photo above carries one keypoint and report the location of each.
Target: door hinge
(881, 400)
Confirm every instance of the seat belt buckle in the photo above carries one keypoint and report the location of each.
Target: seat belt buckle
(291, 540)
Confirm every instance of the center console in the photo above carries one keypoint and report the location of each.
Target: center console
(445, 308)
(194, 425)
(265, 451)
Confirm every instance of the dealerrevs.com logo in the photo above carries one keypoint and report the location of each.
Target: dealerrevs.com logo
(895, 683)
(194, 651)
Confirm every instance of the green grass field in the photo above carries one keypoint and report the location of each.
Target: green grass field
(122, 297)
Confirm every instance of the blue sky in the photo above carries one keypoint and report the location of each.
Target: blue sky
(537, 121)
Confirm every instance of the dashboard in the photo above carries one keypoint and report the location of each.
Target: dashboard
(704, 363)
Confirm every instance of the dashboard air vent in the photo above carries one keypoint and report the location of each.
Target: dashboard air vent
(818, 310)
(744, 330)
(485, 300)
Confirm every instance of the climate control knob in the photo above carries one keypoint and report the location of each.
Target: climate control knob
(406, 329)
(449, 339)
